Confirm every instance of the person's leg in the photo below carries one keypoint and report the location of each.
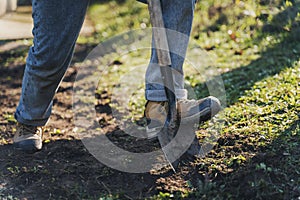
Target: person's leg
(56, 27)
(57, 24)
(178, 17)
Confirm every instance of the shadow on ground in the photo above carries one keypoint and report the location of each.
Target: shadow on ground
(64, 169)
(274, 170)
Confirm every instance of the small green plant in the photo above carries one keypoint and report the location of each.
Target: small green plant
(10, 118)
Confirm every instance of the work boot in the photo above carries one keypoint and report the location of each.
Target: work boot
(28, 138)
(189, 111)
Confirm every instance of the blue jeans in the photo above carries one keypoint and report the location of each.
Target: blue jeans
(57, 24)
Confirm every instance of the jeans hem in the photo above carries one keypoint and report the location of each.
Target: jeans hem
(159, 95)
(39, 122)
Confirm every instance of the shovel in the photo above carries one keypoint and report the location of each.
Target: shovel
(172, 121)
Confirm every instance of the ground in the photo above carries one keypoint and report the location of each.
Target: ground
(256, 155)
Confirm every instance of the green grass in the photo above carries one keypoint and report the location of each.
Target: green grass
(255, 50)
(254, 47)
(122, 17)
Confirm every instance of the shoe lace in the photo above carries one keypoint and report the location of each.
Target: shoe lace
(27, 130)
(187, 101)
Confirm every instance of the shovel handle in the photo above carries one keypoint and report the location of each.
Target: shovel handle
(159, 33)
(170, 127)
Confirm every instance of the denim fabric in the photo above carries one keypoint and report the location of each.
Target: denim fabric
(56, 27)
(57, 24)
(178, 17)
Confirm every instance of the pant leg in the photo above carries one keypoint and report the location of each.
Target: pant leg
(57, 24)
(178, 17)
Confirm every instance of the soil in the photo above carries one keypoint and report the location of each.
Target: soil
(64, 169)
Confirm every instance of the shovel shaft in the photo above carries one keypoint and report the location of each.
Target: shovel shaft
(159, 33)
(170, 128)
